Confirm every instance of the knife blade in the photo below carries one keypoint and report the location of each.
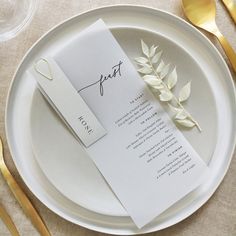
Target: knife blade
(8, 221)
(231, 7)
(21, 197)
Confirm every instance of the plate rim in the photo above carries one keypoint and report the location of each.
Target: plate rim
(132, 7)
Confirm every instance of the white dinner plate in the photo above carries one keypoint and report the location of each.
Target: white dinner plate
(64, 178)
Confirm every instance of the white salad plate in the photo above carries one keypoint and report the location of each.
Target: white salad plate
(52, 163)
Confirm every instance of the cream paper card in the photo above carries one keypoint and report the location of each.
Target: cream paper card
(66, 101)
(144, 158)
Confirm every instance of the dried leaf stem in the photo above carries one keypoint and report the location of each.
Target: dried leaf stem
(174, 97)
(156, 78)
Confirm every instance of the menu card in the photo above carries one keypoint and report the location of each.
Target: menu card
(144, 158)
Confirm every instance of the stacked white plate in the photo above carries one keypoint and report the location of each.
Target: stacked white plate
(66, 180)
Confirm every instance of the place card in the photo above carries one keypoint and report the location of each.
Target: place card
(66, 101)
(144, 158)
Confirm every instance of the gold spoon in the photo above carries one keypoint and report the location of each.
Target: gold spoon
(202, 13)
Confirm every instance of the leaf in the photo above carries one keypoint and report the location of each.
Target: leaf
(146, 69)
(159, 87)
(175, 109)
(160, 66)
(172, 79)
(165, 96)
(152, 51)
(145, 48)
(145, 77)
(185, 92)
(156, 57)
(152, 80)
(181, 115)
(186, 123)
(141, 60)
(165, 71)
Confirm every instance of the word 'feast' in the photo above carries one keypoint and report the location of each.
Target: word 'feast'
(103, 78)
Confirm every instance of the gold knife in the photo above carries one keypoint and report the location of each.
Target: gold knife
(21, 197)
(231, 7)
(8, 221)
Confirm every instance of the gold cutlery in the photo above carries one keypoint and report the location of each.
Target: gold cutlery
(202, 14)
(8, 221)
(23, 200)
(231, 7)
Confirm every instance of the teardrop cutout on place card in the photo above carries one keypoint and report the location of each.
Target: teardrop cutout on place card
(42, 66)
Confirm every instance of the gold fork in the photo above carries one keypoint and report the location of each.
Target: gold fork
(23, 200)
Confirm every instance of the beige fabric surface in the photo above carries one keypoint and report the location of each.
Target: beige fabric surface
(216, 218)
